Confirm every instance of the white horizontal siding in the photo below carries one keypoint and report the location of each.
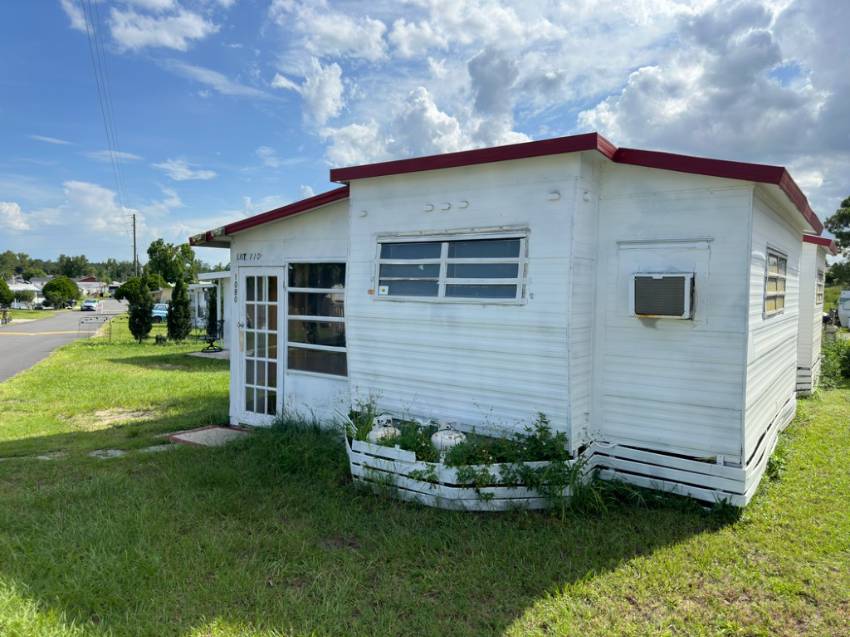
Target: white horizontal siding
(667, 384)
(483, 365)
(812, 259)
(772, 344)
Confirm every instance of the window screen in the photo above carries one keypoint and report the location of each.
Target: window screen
(487, 268)
(662, 295)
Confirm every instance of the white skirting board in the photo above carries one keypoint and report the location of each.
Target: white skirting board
(807, 379)
(390, 468)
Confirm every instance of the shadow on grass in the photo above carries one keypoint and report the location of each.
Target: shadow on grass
(162, 359)
(269, 534)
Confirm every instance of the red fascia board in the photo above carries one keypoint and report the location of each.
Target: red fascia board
(825, 242)
(303, 205)
(556, 146)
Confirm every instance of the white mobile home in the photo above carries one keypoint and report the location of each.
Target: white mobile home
(812, 281)
(223, 290)
(632, 296)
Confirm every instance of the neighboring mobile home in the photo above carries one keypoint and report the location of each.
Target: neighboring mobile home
(632, 296)
(812, 281)
(224, 290)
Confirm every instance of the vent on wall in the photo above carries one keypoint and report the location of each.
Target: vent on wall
(662, 295)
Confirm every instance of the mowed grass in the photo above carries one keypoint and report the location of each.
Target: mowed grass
(269, 536)
(31, 314)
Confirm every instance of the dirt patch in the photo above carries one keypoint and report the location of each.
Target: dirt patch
(340, 542)
(106, 418)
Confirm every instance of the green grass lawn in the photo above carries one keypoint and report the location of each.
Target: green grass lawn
(270, 537)
(31, 314)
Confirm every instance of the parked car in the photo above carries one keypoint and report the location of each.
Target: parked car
(844, 308)
(89, 305)
(159, 312)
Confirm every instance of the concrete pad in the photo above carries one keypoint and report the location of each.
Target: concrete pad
(212, 436)
(52, 455)
(223, 355)
(157, 448)
(106, 454)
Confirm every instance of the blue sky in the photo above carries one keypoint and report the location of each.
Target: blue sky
(224, 108)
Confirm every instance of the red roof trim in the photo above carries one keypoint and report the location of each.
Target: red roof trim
(826, 242)
(760, 173)
(556, 146)
(322, 199)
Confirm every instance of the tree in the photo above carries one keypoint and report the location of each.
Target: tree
(141, 306)
(74, 267)
(839, 225)
(838, 274)
(6, 296)
(212, 312)
(171, 261)
(179, 317)
(24, 296)
(60, 290)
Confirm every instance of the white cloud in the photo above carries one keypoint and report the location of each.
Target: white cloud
(134, 31)
(416, 38)
(50, 140)
(181, 170)
(163, 207)
(306, 191)
(95, 207)
(12, 217)
(108, 155)
(268, 156)
(215, 80)
(354, 143)
(153, 5)
(325, 32)
(321, 91)
(75, 14)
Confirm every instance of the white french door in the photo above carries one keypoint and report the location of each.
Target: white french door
(260, 344)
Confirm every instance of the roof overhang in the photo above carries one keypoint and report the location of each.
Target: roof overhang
(825, 242)
(758, 173)
(214, 276)
(220, 237)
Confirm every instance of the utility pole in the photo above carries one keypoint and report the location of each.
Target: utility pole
(135, 251)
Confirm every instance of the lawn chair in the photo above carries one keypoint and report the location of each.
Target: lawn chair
(214, 334)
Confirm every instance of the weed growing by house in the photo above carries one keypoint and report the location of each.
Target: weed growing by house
(835, 364)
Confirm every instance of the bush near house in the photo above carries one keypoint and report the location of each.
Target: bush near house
(6, 296)
(60, 291)
(137, 293)
(179, 320)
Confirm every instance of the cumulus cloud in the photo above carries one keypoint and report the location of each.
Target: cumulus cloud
(12, 217)
(321, 90)
(95, 207)
(181, 170)
(75, 14)
(133, 31)
(306, 191)
(325, 32)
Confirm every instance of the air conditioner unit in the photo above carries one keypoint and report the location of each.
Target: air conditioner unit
(667, 295)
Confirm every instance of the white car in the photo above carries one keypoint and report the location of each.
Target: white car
(844, 308)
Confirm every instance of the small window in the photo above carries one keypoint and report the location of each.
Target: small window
(819, 288)
(774, 283)
(316, 323)
(473, 269)
(662, 295)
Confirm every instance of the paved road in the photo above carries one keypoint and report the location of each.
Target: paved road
(22, 345)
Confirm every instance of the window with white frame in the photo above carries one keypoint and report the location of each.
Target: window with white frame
(472, 268)
(315, 318)
(819, 288)
(774, 283)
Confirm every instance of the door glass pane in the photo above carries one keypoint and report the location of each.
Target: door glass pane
(261, 373)
(249, 316)
(261, 345)
(272, 341)
(261, 288)
(271, 403)
(315, 304)
(261, 317)
(272, 289)
(271, 375)
(249, 399)
(317, 333)
(316, 275)
(260, 403)
(313, 360)
(412, 250)
(249, 372)
(249, 288)
(272, 311)
(250, 349)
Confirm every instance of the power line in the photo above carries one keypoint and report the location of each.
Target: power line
(104, 98)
